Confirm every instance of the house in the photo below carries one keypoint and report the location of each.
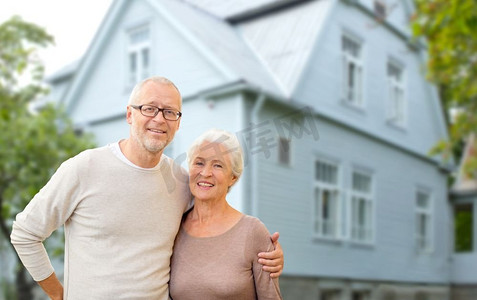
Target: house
(329, 100)
(463, 196)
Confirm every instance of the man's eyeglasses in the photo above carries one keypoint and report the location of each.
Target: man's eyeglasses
(152, 111)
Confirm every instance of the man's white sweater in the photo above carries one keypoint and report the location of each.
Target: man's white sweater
(120, 224)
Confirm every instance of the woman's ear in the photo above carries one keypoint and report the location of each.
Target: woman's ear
(234, 179)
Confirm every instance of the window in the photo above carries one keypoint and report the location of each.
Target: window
(397, 107)
(361, 208)
(361, 295)
(284, 151)
(389, 295)
(330, 295)
(422, 296)
(139, 60)
(380, 9)
(352, 71)
(326, 198)
(423, 221)
(463, 227)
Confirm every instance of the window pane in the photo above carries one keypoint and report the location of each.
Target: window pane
(132, 62)
(394, 72)
(422, 225)
(422, 296)
(350, 47)
(361, 182)
(328, 212)
(284, 151)
(358, 84)
(330, 295)
(351, 70)
(132, 67)
(422, 200)
(317, 210)
(145, 63)
(361, 212)
(139, 36)
(361, 219)
(463, 228)
(326, 172)
(325, 205)
(145, 58)
(361, 295)
(380, 9)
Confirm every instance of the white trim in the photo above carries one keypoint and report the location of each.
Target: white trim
(137, 49)
(397, 102)
(429, 212)
(354, 97)
(370, 207)
(333, 188)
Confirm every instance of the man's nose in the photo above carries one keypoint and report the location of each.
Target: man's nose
(159, 117)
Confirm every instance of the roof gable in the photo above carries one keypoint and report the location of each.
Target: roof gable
(221, 40)
(467, 182)
(285, 39)
(215, 39)
(230, 9)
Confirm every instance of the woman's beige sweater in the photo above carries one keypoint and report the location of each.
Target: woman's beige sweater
(224, 266)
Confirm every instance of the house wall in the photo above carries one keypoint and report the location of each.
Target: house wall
(280, 195)
(321, 84)
(464, 264)
(309, 288)
(286, 205)
(398, 12)
(105, 91)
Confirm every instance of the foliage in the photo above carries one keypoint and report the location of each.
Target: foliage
(32, 142)
(463, 219)
(450, 29)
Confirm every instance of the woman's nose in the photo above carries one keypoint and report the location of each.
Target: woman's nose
(206, 171)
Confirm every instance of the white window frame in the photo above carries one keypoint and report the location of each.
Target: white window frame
(352, 93)
(397, 104)
(138, 50)
(330, 228)
(362, 233)
(424, 243)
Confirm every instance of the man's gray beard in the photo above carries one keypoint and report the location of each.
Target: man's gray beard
(154, 147)
(149, 145)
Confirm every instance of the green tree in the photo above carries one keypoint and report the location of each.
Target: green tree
(32, 143)
(450, 30)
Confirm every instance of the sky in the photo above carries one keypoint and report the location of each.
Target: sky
(73, 24)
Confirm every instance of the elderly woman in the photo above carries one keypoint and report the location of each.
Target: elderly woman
(215, 253)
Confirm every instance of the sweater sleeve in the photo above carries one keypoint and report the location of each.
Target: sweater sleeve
(48, 210)
(265, 287)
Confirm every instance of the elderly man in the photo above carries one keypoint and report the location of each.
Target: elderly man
(119, 211)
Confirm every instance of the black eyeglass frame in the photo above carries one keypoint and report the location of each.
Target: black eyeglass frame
(139, 107)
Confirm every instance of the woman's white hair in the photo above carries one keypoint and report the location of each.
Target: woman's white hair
(226, 139)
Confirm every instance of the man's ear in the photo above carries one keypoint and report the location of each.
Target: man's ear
(128, 114)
